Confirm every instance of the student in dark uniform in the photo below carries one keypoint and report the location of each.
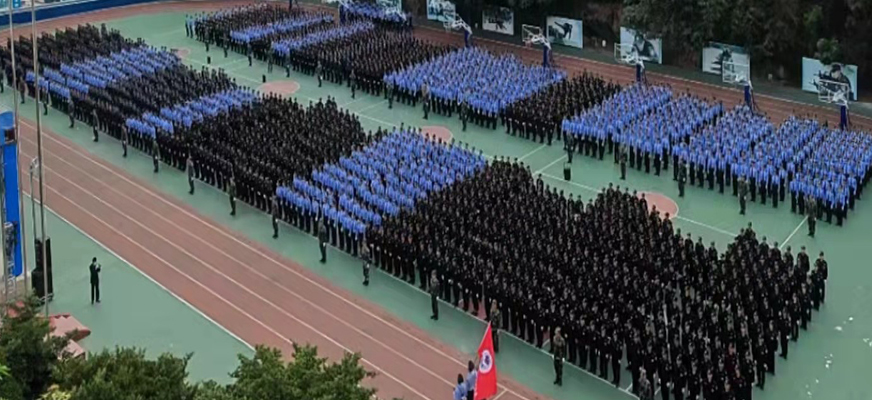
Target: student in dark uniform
(811, 209)
(434, 295)
(319, 72)
(94, 124)
(821, 266)
(231, 195)
(45, 97)
(682, 178)
(94, 270)
(558, 348)
(189, 169)
(743, 195)
(71, 109)
(275, 213)
(124, 140)
(323, 237)
(623, 159)
(366, 256)
(155, 153)
(496, 324)
(352, 83)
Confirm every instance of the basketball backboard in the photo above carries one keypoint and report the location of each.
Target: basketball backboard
(530, 32)
(833, 92)
(624, 54)
(734, 73)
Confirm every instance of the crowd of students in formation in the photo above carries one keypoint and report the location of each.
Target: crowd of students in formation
(608, 282)
(372, 11)
(739, 148)
(393, 172)
(614, 277)
(540, 115)
(267, 143)
(485, 82)
(338, 58)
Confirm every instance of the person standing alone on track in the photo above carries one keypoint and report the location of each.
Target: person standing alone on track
(231, 194)
(434, 295)
(189, 168)
(323, 237)
(94, 269)
(558, 348)
(274, 214)
(365, 255)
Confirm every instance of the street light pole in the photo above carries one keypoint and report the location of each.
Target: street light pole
(34, 164)
(35, 41)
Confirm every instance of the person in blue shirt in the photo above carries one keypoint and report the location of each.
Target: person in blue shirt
(460, 391)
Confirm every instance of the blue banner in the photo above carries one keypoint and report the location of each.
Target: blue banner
(10, 178)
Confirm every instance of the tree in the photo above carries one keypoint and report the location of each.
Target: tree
(307, 376)
(28, 350)
(828, 51)
(126, 373)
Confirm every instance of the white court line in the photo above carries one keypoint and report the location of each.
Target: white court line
(371, 106)
(212, 226)
(135, 268)
(348, 103)
(208, 266)
(500, 395)
(242, 264)
(704, 225)
(801, 223)
(549, 165)
(531, 152)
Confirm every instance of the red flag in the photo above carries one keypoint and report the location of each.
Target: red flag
(486, 383)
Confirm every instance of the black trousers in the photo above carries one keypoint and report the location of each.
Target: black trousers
(434, 305)
(95, 292)
(558, 371)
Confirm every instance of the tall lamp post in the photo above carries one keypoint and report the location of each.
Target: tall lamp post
(35, 41)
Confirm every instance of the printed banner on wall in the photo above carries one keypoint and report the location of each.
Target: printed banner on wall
(440, 10)
(498, 19)
(716, 54)
(565, 31)
(816, 75)
(649, 49)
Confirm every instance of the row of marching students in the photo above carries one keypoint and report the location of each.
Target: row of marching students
(336, 59)
(484, 82)
(390, 174)
(539, 116)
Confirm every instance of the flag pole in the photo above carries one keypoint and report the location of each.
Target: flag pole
(34, 39)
